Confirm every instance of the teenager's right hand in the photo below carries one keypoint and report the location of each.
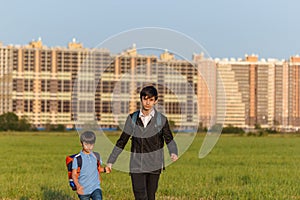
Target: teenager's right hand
(109, 165)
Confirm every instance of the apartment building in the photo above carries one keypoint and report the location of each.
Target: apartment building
(5, 79)
(38, 82)
(249, 89)
(264, 91)
(174, 79)
(235, 112)
(294, 92)
(75, 85)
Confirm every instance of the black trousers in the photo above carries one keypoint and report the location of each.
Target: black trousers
(144, 185)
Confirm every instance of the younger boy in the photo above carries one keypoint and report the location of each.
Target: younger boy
(87, 182)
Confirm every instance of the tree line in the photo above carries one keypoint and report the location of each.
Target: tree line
(11, 122)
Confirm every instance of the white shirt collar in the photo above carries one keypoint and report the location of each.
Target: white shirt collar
(146, 119)
(152, 113)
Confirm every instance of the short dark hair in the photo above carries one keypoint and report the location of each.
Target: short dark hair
(149, 91)
(88, 137)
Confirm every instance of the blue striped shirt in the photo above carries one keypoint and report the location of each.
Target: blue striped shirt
(89, 176)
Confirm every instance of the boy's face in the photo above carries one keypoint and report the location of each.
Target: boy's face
(148, 103)
(87, 148)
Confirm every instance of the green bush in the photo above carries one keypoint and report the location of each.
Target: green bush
(11, 122)
(232, 129)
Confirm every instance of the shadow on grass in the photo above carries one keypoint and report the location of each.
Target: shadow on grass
(24, 198)
(50, 194)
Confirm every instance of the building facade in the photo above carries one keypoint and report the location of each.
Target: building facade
(75, 85)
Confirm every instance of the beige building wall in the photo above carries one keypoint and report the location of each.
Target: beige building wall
(254, 80)
(206, 83)
(241, 70)
(271, 93)
(294, 92)
(5, 79)
(281, 95)
(178, 82)
(235, 108)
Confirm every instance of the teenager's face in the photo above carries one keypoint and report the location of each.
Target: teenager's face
(148, 102)
(87, 148)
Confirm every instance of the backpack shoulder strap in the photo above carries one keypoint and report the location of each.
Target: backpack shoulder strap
(97, 155)
(134, 118)
(158, 119)
(99, 167)
(79, 160)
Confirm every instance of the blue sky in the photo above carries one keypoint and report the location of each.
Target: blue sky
(225, 28)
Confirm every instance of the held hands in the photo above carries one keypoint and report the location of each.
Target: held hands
(108, 168)
(174, 157)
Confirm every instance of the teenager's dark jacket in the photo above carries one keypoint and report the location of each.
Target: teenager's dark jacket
(147, 154)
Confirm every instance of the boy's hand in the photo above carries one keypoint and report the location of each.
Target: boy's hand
(108, 170)
(174, 157)
(79, 190)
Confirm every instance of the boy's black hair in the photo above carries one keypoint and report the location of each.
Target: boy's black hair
(88, 137)
(149, 91)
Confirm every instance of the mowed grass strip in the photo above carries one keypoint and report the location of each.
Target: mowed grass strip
(33, 167)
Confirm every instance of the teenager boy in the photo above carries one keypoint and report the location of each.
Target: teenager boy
(148, 129)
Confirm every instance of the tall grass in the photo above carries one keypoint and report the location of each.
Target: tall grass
(33, 167)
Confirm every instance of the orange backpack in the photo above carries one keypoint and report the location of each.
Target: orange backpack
(69, 161)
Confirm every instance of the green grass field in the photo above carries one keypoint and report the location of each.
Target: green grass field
(33, 167)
